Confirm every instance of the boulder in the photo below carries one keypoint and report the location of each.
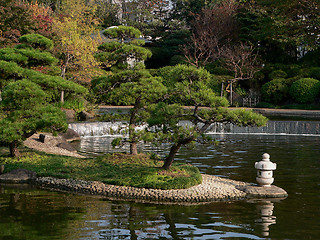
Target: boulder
(70, 114)
(255, 191)
(70, 135)
(18, 176)
(84, 116)
(67, 146)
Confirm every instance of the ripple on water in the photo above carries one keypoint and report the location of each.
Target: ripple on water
(220, 224)
(203, 157)
(219, 166)
(240, 151)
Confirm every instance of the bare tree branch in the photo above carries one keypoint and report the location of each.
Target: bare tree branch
(211, 30)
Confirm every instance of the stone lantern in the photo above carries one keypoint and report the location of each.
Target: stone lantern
(265, 171)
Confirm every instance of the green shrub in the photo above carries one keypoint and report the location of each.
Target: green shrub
(282, 70)
(241, 91)
(154, 72)
(311, 58)
(293, 70)
(315, 72)
(259, 76)
(265, 105)
(216, 68)
(177, 59)
(180, 73)
(37, 41)
(215, 82)
(275, 91)
(77, 104)
(301, 106)
(277, 74)
(291, 80)
(305, 90)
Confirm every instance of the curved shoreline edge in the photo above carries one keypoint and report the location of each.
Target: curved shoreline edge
(212, 189)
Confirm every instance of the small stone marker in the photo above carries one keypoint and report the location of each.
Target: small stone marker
(265, 171)
(42, 138)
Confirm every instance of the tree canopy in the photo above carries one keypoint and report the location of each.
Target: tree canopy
(25, 110)
(36, 65)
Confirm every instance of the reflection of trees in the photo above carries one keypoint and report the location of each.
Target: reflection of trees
(140, 221)
(169, 217)
(33, 215)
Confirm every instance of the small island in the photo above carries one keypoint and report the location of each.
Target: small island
(123, 177)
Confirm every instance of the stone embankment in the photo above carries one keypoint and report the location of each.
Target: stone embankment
(268, 112)
(211, 189)
(289, 113)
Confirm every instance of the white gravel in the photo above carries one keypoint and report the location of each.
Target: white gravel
(49, 146)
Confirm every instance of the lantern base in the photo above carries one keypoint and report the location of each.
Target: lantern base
(264, 182)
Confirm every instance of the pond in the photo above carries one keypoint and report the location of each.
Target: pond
(30, 213)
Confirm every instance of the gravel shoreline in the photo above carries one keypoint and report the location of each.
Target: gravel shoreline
(211, 189)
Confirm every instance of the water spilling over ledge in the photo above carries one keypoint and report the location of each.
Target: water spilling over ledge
(273, 127)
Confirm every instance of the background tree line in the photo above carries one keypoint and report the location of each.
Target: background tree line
(146, 52)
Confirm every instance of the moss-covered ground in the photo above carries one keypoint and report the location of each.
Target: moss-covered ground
(117, 169)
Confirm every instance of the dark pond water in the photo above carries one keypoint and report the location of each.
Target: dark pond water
(30, 213)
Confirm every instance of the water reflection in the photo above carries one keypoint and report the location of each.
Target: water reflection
(29, 213)
(265, 216)
(147, 221)
(297, 158)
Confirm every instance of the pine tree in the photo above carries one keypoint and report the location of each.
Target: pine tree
(32, 60)
(128, 84)
(205, 109)
(25, 110)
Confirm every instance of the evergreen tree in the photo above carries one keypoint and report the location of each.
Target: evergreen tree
(25, 110)
(123, 50)
(205, 109)
(31, 60)
(130, 83)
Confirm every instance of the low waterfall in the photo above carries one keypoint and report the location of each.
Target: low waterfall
(85, 129)
(273, 128)
(95, 128)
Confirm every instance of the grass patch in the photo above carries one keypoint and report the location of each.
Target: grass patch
(118, 169)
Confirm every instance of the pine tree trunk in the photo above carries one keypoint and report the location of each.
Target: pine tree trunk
(132, 128)
(14, 151)
(173, 151)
